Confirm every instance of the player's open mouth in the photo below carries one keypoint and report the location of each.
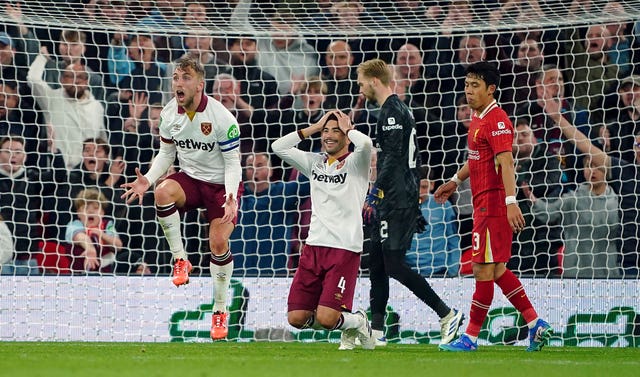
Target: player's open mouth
(180, 95)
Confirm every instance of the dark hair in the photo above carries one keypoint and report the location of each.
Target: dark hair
(12, 137)
(488, 72)
(329, 118)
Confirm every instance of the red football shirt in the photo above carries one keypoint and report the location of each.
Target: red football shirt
(490, 133)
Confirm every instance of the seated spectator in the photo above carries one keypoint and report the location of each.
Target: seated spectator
(17, 119)
(590, 222)
(92, 236)
(409, 67)
(18, 205)
(265, 220)
(341, 77)
(436, 251)
(7, 251)
(98, 171)
(534, 248)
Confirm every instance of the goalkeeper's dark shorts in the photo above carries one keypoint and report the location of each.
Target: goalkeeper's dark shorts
(394, 229)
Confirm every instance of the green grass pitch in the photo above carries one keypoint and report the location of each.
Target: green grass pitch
(279, 359)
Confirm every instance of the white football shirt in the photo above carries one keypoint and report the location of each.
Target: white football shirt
(338, 190)
(207, 145)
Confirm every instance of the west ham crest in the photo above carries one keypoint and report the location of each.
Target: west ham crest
(205, 127)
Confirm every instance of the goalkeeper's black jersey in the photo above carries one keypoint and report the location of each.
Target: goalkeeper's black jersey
(398, 155)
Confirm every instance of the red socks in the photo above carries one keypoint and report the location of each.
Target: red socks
(514, 292)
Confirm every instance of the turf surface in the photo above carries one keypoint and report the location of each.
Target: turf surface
(19, 359)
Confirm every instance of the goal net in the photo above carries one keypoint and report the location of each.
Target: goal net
(83, 83)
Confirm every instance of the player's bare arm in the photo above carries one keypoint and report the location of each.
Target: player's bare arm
(514, 215)
(448, 188)
(136, 188)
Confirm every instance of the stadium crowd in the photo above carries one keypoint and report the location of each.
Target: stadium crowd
(80, 111)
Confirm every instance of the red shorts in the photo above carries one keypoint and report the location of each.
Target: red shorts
(325, 276)
(201, 194)
(491, 239)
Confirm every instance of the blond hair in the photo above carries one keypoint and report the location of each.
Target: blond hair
(88, 196)
(376, 68)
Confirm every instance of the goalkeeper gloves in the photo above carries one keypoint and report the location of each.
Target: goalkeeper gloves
(371, 204)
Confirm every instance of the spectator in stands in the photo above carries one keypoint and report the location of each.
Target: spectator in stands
(260, 127)
(623, 50)
(92, 236)
(550, 83)
(148, 75)
(350, 16)
(102, 43)
(534, 249)
(72, 110)
(71, 51)
(623, 177)
(257, 87)
(167, 14)
(18, 205)
(409, 64)
(436, 251)
(454, 145)
(199, 44)
(591, 73)
(227, 90)
(590, 222)
(119, 65)
(130, 135)
(18, 120)
(266, 219)
(519, 75)
(97, 170)
(449, 66)
(623, 119)
(7, 250)
(8, 71)
(413, 14)
(24, 43)
(197, 16)
(285, 54)
(340, 77)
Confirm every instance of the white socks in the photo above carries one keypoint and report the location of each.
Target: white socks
(221, 280)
